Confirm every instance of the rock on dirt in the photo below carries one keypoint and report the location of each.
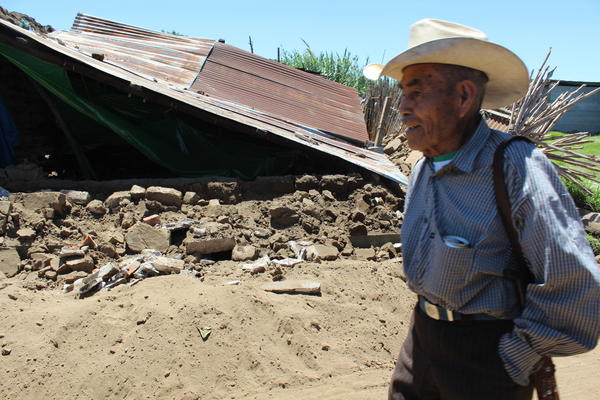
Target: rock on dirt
(143, 236)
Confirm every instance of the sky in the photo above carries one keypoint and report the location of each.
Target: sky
(370, 29)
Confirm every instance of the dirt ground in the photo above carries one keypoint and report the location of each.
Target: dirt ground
(143, 342)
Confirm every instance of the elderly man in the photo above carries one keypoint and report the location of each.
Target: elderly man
(469, 337)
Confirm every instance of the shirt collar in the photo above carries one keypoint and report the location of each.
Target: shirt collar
(465, 158)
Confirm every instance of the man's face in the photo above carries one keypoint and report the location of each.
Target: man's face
(429, 110)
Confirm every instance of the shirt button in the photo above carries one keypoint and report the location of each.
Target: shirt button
(431, 235)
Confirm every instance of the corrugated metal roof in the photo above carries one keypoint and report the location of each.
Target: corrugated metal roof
(70, 55)
(497, 119)
(170, 59)
(240, 77)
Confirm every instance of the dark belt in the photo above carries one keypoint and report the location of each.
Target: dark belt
(442, 314)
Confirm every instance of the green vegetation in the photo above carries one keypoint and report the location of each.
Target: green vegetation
(595, 243)
(344, 69)
(582, 199)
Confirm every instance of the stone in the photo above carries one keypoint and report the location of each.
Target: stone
(335, 183)
(137, 192)
(43, 260)
(293, 286)
(73, 276)
(166, 196)
(108, 249)
(114, 200)
(320, 252)
(283, 216)
(357, 216)
(26, 233)
(153, 219)
(167, 264)
(96, 207)
(306, 183)
(328, 196)
(413, 157)
(358, 229)
(5, 207)
(50, 275)
(364, 254)
(208, 246)
(392, 146)
(244, 253)
(77, 197)
(6, 351)
(143, 236)
(9, 262)
(362, 205)
(39, 200)
(85, 264)
(591, 222)
(227, 192)
(190, 198)
(214, 202)
(262, 233)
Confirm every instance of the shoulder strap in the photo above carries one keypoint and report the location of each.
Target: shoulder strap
(521, 275)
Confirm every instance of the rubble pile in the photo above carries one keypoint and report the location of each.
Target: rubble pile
(81, 242)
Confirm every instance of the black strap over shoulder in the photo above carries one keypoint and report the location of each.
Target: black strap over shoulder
(521, 275)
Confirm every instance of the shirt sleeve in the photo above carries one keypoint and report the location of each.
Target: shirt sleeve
(561, 315)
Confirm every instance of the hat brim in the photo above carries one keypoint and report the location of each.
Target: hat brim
(507, 74)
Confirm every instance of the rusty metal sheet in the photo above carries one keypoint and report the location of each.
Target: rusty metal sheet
(264, 122)
(234, 75)
(171, 59)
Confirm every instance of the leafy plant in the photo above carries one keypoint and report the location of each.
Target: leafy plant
(583, 199)
(344, 69)
(595, 243)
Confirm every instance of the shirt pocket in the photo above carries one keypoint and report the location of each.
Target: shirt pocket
(447, 276)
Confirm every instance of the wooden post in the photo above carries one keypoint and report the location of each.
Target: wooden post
(84, 164)
(378, 135)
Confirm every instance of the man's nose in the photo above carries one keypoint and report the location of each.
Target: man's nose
(404, 107)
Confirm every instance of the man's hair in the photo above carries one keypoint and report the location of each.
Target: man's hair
(457, 73)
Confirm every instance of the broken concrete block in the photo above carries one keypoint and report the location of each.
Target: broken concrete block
(77, 197)
(40, 200)
(319, 252)
(392, 146)
(283, 216)
(244, 253)
(96, 207)
(166, 196)
(167, 264)
(208, 245)
(26, 233)
(143, 236)
(73, 276)
(5, 207)
(153, 219)
(190, 198)
(85, 264)
(137, 192)
(364, 254)
(115, 199)
(9, 262)
(293, 286)
(43, 260)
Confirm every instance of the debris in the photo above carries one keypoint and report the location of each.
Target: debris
(259, 265)
(9, 261)
(190, 198)
(40, 200)
(137, 192)
(114, 200)
(293, 286)
(288, 262)
(233, 283)
(12, 296)
(364, 254)
(77, 197)
(143, 236)
(214, 202)
(6, 351)
(96, 207)
(204, 332)
(319, 252)
(208, 246)
(26, 233)
(69, 251)
(166, 196)
(153, 219)
(244, 253)
(166, 264)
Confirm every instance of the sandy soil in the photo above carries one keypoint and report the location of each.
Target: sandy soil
(143, 342)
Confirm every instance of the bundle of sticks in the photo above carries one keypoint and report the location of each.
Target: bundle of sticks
(534, 116)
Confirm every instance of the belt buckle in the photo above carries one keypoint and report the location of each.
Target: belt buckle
(431, 310)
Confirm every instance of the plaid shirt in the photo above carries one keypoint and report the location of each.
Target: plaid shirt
(562, 312)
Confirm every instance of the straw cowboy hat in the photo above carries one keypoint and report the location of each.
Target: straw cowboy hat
(436, 41)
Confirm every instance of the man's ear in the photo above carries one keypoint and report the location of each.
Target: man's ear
(467, 91)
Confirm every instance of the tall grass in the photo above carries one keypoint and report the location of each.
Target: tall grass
(582, 199)
(345, 68)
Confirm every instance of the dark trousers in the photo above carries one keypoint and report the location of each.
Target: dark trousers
(453, 361)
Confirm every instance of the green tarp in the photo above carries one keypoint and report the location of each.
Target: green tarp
(158, 134)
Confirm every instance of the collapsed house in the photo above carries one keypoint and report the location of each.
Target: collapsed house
(195, 107)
